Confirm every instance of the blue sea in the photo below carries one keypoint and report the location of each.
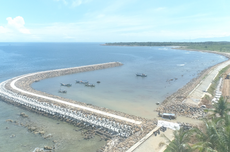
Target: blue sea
(120, 89)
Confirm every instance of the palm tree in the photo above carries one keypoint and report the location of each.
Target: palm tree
(224, 134)
(180, 142)
(213, 136)
(205, 137)
(221, 107)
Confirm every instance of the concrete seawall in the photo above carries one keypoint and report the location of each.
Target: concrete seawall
(116, 124)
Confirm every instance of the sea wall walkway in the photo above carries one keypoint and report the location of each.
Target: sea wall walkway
(200, 90)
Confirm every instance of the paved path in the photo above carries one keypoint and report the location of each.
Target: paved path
(200, 90)
(142, 140)
(152, 144)
(12, 84)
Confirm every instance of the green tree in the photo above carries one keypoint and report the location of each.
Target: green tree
(206, 137)
(221, 107)
(224, 134)
(180, 142)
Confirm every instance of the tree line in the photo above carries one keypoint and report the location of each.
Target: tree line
(221, 46)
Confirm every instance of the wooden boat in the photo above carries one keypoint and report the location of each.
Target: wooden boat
(66, 85)
(82, 81)
(62, 91)
(90, 85)
(141, 75)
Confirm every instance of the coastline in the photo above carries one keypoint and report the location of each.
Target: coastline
(26, 84)
(185, 90)
(20, 86)
(148, 145)
(181, 95)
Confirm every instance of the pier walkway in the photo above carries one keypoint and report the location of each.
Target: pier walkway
(200, 90)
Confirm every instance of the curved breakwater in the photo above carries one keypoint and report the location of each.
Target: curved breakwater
(111, 123)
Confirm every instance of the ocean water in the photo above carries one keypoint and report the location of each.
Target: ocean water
(119, 89)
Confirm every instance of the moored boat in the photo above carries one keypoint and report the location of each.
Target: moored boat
(62, 91)
(82, 81)
(66, 85)
(141, 74)
(90, 85)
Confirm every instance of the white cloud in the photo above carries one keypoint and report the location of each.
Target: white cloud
(3, 29)
(15, 25)
(15, 30)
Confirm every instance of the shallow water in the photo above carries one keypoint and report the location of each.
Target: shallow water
(24, 141)
(119, 89)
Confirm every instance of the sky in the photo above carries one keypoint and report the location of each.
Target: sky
(114, 20)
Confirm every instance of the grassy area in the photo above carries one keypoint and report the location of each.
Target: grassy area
(211, 46)
(216, 80)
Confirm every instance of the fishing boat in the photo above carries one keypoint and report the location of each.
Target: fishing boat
(66, 85)
(141, 75)
(82, 81)
(89, 85)
(62, 91)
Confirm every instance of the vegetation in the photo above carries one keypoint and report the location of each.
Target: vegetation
(216, 80)
(221, 107)
(180, 143)
(212, 136)
(210, 46)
